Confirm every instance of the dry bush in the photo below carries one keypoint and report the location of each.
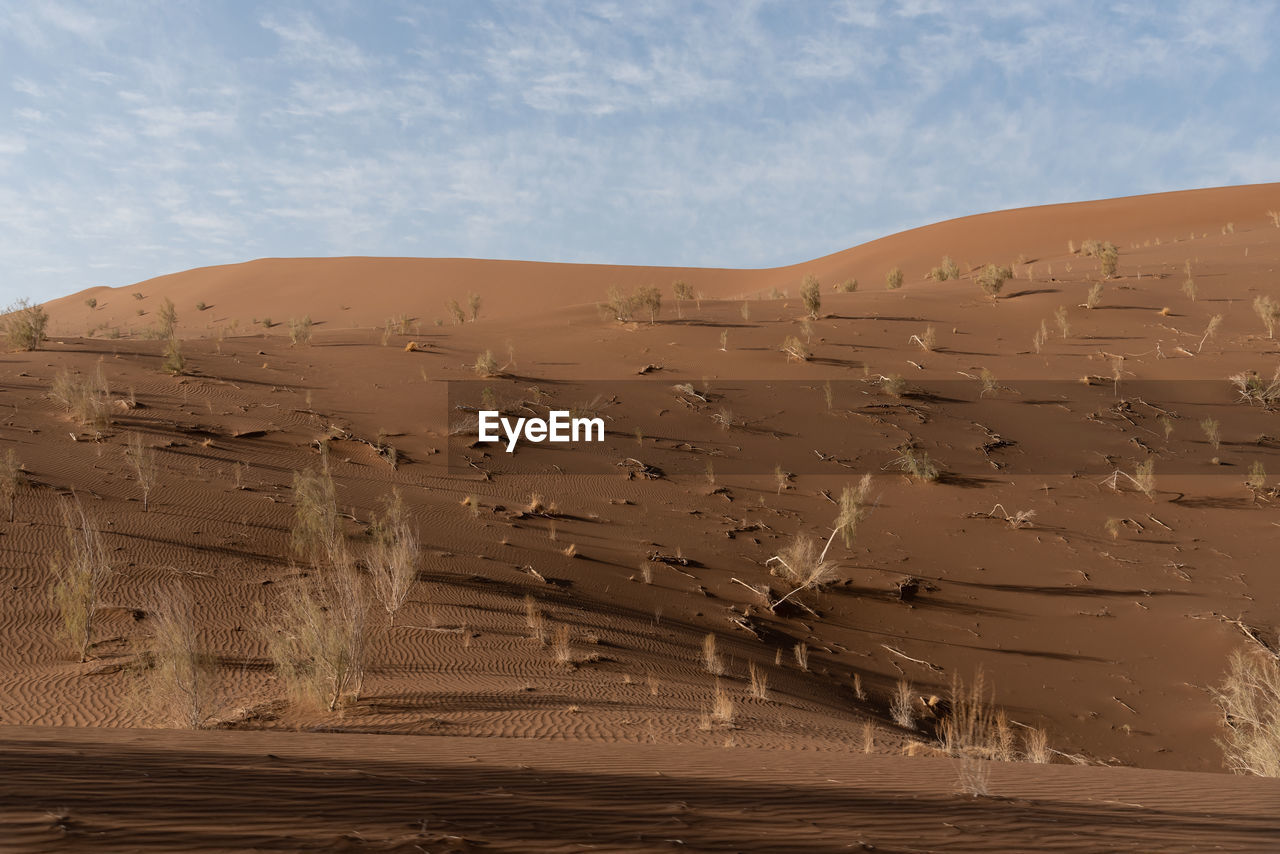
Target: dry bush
(1094, 297)
(973, 776)
(902, 705)
(1144, 477)
(300, 330)
(1189, 283)
(722, 710)
(795, 349)
(172, 359)
(316, 535)
(142, 459)
(926, 340)
(180, 675)
(1064, 324)
(455, 311)
(974, 727)
(1268, 311)
(917, 464)
(560, 645)
(473, 304)
(486, 365)
(1254, 389)
(992, 279)
(1274, 216)
(618, 305)
(1250, 703)
(533, 620)
(1211, 432)
(649, 298)
(393, 556)
(1257, 479)
(759, 681)
(681, 290)
(1041, 337)
(1035, 743)
(85, 397)
(1109, 259)
(23, 325)
(811, 295)
(12, 481)
(848, 286)
(711, 659)
(1210, 330)
(166, 319)
(801, 651)
(317, 637)
(79, 570)
(893, 279)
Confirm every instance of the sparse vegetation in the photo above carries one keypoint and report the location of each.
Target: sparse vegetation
(811, 295)
(1252, 388)
(486, 365)
(142, 459)
(710, 657)
(848, 286)
(893, 279)
(1094, 296)
(393, 556)
(316, 537)
(300, 330)
(902, 705)
(795, 349)
(1210, 330)
(1064, 323)
(79, 570)
(172, 359)
(1211, 432)
(179, 674)
(24, 325)
(1250, 702)
(992, 279)
(1268, 311)
(166, 319)
(12, 481)
(917, 464)
(925, 340)
(618, 305)
(85, 397)
(948, 269)
(649, 298)
(473, 303)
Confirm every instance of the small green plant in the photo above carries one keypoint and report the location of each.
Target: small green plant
(24, 325)
(811, 295)
(893, 279)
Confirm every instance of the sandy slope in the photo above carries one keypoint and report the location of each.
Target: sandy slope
(1102, 621)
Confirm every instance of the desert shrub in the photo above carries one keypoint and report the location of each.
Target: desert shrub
(78, 572)
(1144, 477)
(722, 710)
(1257, 479)
(811, 295)
(316, 536)
(1094, 296)
(92, 302)
(917, 464)
(1210, 330)
(795, 349)
(925, 340)
(172, 359)
(393, 557)
(473, 303)
(1268, 311)
(317, 637)
(902, 705)
(142, 459)
(300, 330)
(710, 658)
(759, 681)
(85, 397)
(618, 305)
(138, 296)
(1109, 259)
(486, 365)
(12, 481)
(1250, 703)
(24, 325)
(179, 674)
(1211, 432)
(893, 279)
(992, 279)
(848, 286)
(801, 653)
(1064, 323)
(1254, 389)
(649, 298)
(681, 290)
(202, 306)
(948, 269)
(166, 319)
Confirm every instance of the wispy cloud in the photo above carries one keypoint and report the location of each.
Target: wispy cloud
(141, 138)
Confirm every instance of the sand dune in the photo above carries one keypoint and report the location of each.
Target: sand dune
(1102, 615)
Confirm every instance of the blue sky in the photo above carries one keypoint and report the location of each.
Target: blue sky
(143, 138)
